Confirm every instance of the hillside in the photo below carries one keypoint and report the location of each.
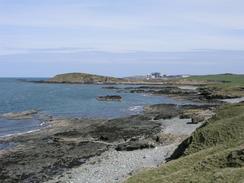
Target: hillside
(226, 79)
(214, 153)
(83, 78)
(231, 85)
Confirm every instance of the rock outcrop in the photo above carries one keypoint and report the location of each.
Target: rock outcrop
(162, 111)
(69, 143)
(109, 98)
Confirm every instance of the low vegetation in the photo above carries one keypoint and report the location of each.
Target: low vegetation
(83, 78)
(223, 84)
(227, 79)
(214, 153)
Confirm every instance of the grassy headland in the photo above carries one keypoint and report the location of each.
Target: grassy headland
(213, 153)
(83, 78)
(226, 79)
(223, 84)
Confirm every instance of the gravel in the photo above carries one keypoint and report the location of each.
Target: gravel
(178, 126)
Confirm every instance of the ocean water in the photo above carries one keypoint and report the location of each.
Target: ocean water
(65, 100)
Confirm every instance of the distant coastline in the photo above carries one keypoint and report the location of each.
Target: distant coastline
(85, 78)
(77, 149)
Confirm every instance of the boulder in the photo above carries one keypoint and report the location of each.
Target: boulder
(197, 113)
(236, 158)
(134, 145)
(197, 119)
(162, 111)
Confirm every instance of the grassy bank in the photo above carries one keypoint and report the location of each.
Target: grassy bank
(214, 153)
(225, 79)
(223, 84)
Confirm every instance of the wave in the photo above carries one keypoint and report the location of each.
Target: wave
(136, 108)
(20, 133)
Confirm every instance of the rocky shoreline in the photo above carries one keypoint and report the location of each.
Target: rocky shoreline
(116, 166)
(103, 150)
(65, 145)
(69, 143)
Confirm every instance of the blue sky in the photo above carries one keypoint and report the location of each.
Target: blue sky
(122, 37)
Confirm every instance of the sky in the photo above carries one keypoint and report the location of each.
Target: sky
(42, 38)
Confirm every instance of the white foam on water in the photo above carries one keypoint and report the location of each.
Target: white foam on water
(22, 133)
(137, 108)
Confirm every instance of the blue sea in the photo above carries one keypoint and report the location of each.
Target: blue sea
(65, 100)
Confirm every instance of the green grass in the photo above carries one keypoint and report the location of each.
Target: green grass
(225, 79)
(223, 84)
(214, 153)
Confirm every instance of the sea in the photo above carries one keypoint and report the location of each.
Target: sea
(65, 100)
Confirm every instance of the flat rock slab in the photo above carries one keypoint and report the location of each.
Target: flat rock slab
(68, 143)
(20, 115)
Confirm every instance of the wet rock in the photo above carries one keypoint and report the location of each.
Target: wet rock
(44, 160)
(172, 90)
(111, 87)
(20, 115)
(138, 91)
(109, 98)
(69, 143)
(122, 129)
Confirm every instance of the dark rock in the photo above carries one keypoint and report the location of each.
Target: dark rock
(138, 91)
(241, 88)
(103, 138)
(236, 158)
(180, 150)
(162, 111)
(197, 119)
(160, 108)
(192, 106)
(42, 161)
(172, 90)
(165, 115)
(70, 143)
(111, 87)
(122, 129)
(109, 98)
(211, 94)
(134, 145)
